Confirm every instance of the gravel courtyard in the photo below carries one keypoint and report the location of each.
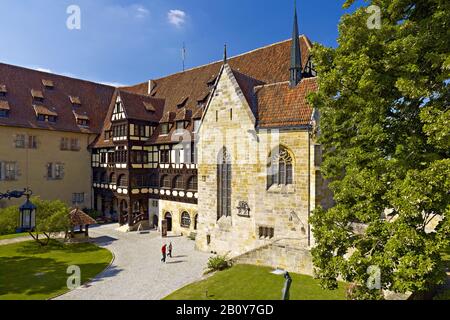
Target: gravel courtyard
(137, 272)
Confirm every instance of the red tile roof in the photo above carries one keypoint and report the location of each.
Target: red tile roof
(266, 65)
(279, 105)
(19, 83)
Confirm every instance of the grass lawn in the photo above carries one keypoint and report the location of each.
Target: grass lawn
(31, 272)
(14, 235)
(245, 282)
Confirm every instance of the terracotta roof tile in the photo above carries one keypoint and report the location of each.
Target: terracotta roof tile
(47, 83)
(79, 218)
(75, 100)
(37, 94)
(81, 116)
(20, 81)
(279, 105)
(261, 66)
(43, 110)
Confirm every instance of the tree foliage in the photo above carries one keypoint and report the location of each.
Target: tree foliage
(385, 128)
(9, 218)
(52, 217)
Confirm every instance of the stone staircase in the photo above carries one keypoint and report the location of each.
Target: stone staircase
(285, 254)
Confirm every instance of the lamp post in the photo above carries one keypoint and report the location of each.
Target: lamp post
(27, 214)
(27, 211)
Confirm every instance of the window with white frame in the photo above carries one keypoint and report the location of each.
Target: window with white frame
(9, 171)
(55, 171)
(20, 141)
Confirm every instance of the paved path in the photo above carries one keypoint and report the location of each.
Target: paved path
(137, 272)
(15, 240)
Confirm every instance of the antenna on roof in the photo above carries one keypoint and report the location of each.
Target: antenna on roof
(183, 56)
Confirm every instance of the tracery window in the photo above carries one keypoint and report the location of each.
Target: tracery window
(224, 184)
(280, 168)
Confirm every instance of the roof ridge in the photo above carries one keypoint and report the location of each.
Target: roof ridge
(138, 94)
(282, 82)
(307, 41)
(55, 74)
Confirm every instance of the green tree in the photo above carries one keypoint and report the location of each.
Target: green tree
(52, 217)
(9, 218)
(385, 128)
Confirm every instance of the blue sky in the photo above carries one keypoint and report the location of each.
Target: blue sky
(131, 41)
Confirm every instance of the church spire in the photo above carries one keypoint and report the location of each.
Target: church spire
(296, 56)
(225, 54)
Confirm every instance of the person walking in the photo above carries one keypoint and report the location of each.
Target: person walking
(163, 251)
(170, 250)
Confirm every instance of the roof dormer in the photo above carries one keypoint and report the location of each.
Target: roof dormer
(48, 84)
(37, 94)
(44, 113)
(3, 90)
(76, 101)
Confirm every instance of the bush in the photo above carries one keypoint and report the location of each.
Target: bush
(9, 218)
(218, 263)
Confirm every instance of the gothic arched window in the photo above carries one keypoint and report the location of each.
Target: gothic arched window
(224, 184)
(280, 168)
(185, 220)
(178, 183)
(165, 182)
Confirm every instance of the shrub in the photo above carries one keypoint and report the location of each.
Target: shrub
(218, 263)
(9, 218)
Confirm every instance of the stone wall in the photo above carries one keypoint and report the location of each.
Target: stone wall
(229, 123)
(176, 209)
(281, 255)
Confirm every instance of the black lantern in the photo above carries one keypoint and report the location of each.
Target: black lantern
(27, 215)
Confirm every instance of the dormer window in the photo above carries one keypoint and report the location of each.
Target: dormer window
(82, 120)
(3, 90)
(181, 125)
(37, 95)
(45, 114)
(76, 102)
(164, 129)
(212, 81)
(201, 102)
(182, 102)
(48, 84)
(4, 109)
(149, 106)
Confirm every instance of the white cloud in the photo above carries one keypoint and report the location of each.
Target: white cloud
(176, 17)
(141, 12)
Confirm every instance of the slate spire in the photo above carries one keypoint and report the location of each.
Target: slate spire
(296, 56)
(225, 54)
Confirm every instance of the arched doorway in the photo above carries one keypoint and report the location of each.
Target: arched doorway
(168, 218)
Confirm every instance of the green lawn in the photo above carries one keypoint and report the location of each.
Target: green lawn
(14, 235)
(245, 282)
(31, 272)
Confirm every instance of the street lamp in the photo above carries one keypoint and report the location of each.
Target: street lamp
(27, 214)
(287, 283)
